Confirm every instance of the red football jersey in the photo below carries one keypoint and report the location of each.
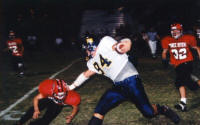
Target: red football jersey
(46, 89)
(179, 49)
(16, 47)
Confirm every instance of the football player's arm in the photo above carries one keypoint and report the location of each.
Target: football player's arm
(164, 58)
(73, 113)
(35, 105)
(198, 50)
(81, 79)
(164, 54)
(21, 47)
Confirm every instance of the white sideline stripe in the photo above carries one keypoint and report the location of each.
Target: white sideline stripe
(34, 89)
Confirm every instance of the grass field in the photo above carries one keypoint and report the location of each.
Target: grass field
(158, 83)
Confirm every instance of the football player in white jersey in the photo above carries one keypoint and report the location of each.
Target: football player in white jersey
(110, 59)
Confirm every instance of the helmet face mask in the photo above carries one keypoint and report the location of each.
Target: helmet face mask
(91, 47)
(60, 90)
(176, 30)
(176, 33)
(60, 95)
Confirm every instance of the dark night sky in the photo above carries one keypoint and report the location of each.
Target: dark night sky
(146, 11)
(163, 7)
(167, 7)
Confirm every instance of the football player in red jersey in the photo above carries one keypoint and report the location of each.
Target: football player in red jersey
(53, 95)
(179, 45)
(16, 49)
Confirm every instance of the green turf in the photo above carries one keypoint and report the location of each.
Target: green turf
(158, 83)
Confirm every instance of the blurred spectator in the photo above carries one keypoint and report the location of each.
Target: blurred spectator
(31, 44)
(142, 43)
(59, 44)
(16, 50)
(198, 33)
(144, 36)
(153, 38)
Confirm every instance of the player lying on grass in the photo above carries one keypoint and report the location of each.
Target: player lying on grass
(110, 59)
(53, 95)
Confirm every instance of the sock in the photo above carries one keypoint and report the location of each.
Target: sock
(183, 100)
(95, 121)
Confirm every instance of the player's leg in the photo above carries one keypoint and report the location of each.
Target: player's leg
(29, 113)
(183, 78)
(195, 79)
(182, 104)
(51, 113)
(135, 92)
(20, 66)
(150, 46)
(110, 99)
(154, 48)
(138, 96)
(14, 63)
(195, 82)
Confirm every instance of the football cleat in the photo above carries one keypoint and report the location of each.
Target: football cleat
(169, 113)
(181, 106)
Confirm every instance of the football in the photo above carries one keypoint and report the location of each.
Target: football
(119, 46)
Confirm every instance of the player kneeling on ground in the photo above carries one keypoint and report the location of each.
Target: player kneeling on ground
(53, 95)
(110, 59)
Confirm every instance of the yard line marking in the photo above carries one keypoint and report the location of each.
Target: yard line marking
(34, 89)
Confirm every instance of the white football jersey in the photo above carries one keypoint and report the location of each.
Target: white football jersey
(107, 61)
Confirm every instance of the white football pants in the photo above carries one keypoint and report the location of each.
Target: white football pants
(152, 46)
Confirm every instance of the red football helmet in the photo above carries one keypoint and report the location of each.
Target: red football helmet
(53, 87)
(176, 30)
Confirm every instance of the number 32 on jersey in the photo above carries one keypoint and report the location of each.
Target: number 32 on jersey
(103, 63)
(179, 54)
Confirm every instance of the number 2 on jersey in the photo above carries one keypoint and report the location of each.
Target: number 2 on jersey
(104, 62)
(14, 49)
